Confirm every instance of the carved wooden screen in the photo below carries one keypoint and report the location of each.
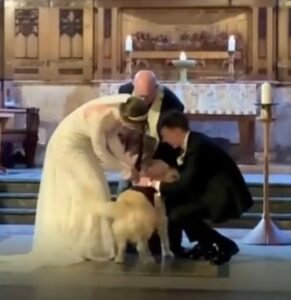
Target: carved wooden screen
(26, 42)
(48, 40)
(71, 33)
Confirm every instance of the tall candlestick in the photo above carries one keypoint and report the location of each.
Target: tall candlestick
(231, 44)
(183, 56)
(128, 44)
(266, 93)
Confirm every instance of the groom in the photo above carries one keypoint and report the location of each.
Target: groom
(211, 187)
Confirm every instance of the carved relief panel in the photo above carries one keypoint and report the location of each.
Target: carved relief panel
(48, 42)
(72, 39)
(25, 39)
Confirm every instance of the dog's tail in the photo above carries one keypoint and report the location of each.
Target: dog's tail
(109, 210)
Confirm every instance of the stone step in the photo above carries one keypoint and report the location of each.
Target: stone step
(29, 200)
(275, 189)
(248, 220)
(277, 205)
(18, 200)
(14, 186)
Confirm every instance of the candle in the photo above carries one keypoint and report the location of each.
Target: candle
(231, 44)
(266, 93)
(183, 56)
(128, 43)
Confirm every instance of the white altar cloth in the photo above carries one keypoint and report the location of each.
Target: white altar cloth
(207, 98)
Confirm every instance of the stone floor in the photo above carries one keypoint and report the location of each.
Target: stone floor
(257, 272)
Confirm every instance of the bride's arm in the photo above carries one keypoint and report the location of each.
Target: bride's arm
(99, 131)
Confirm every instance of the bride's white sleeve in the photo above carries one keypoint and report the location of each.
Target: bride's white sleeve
(100, 132)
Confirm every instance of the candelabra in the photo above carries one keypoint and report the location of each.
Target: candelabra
(128, 65)
(231, 60)
(266, 232)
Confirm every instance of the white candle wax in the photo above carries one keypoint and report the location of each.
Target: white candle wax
(231, 44)
(183, 56)
(128, 44)
(266, 93)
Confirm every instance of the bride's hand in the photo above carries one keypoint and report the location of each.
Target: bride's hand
(135, 175)
(144, 181)
(156, 170)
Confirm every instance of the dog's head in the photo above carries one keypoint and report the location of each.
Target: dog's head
(159, 170)
(171, 175)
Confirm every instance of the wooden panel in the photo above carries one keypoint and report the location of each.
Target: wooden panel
(254, 3)
(289, 32)
(161, 3)
(1, 43)
(215, 55)
(255, 38)
(107, 33)
(284, 41)
(185, 3)
(262, 32)
(114, 41)
(98, 42)
(26, 42)
(71, 40)
(270, 42)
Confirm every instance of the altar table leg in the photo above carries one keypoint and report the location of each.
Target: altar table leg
(247, 140)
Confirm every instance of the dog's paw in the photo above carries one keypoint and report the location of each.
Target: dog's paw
(167, 253)
(119, 260)
(148, 260)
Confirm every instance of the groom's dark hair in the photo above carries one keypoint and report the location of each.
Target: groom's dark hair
(174, 119)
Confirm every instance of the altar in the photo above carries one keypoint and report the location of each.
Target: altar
(205, 102)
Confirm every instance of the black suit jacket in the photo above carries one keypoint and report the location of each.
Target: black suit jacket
(169, 102)
(210, 185)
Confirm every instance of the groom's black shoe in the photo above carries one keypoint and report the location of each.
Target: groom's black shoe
(224, 253)
(194, 253)
(213, 253)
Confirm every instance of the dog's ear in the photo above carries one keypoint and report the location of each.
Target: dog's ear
(172, 175)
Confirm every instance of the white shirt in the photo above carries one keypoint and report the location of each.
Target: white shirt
(185, 143)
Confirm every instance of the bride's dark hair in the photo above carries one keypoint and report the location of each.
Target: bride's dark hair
(134, 111)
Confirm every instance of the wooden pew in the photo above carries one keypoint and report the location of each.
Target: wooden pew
(28, 135)
(246, 127)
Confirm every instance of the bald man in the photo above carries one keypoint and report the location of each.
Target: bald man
(160, 99)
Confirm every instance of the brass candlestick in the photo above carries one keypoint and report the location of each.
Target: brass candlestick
(128, 65)
(266, 232)
(231, 60)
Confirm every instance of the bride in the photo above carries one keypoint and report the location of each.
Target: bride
(84, 145)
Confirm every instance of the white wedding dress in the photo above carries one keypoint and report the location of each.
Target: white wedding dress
(67, 229)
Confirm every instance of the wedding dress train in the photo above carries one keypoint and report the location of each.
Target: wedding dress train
(67, 229)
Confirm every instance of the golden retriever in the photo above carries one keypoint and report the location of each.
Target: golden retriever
(135, 218)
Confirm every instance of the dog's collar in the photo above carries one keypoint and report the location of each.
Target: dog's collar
(148, 191)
